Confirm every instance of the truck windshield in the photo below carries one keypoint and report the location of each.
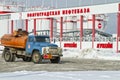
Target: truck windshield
(42, 39)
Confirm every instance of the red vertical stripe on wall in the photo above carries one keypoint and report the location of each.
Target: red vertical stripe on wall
(51, 29)
(61, 29)
(93, 30)
(118, 31)
(26, 25)
(81, 31)
(118, 26)
(12, 23)
(34, 26)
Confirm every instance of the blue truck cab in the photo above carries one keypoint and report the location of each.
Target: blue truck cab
(39, 47)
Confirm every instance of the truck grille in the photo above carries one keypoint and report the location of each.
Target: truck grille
(53, 47)
(53, 50)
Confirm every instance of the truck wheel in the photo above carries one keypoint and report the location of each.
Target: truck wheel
(27, 59)
(7, 56)
(36, 57)
(56, 60)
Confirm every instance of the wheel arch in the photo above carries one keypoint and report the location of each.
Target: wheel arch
(35, 50)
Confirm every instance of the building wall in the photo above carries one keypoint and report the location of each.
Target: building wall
(4, 29)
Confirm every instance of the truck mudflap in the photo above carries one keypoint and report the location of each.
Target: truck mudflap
(53, 51)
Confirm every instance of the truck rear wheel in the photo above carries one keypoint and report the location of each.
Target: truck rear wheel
(36, 57)
(7, 56)
(56, 60)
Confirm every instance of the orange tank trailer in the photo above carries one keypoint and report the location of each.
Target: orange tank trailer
(16, 40)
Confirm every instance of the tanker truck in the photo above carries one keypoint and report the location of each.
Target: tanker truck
(29, 48)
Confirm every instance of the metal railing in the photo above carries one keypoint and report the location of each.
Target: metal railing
(87, 39)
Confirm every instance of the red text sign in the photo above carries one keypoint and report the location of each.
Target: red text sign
(105, 45)
(70, 45)
(58, 12)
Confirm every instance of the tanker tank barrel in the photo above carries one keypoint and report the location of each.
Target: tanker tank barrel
(17, 39)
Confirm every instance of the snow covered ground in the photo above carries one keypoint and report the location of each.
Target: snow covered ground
(92, 54)
(78, 75)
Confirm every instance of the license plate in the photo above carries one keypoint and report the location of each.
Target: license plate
(47, 56)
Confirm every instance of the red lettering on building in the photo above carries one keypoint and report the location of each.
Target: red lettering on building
(103, 45)
(59, 12)
(69, 12)
(48, 13)
(70, 45)
(63, 12)
(75, 11)
(78, 11)
(88, 10)
(85, 10)
(38, 14)
(42, 14)
(81, 10)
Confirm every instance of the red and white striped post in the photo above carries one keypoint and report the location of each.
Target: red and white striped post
(26, 22)
(61, 29)
(81, 31)
(51, 29)
(93, 30)
(34, 26)
(12, 25)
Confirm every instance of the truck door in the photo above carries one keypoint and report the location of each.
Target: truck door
(30, 44)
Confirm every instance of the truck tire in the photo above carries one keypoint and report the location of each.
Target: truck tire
(7, 56)
(56, 60)
(5, 49)
(36, 57)
(27, 59)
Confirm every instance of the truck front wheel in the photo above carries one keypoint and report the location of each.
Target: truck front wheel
(36, 57)
(56, 60)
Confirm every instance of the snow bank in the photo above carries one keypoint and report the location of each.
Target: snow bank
(92, 54)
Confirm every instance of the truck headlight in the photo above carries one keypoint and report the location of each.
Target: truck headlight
(59, 50)
(44, 50)
(47, 49)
